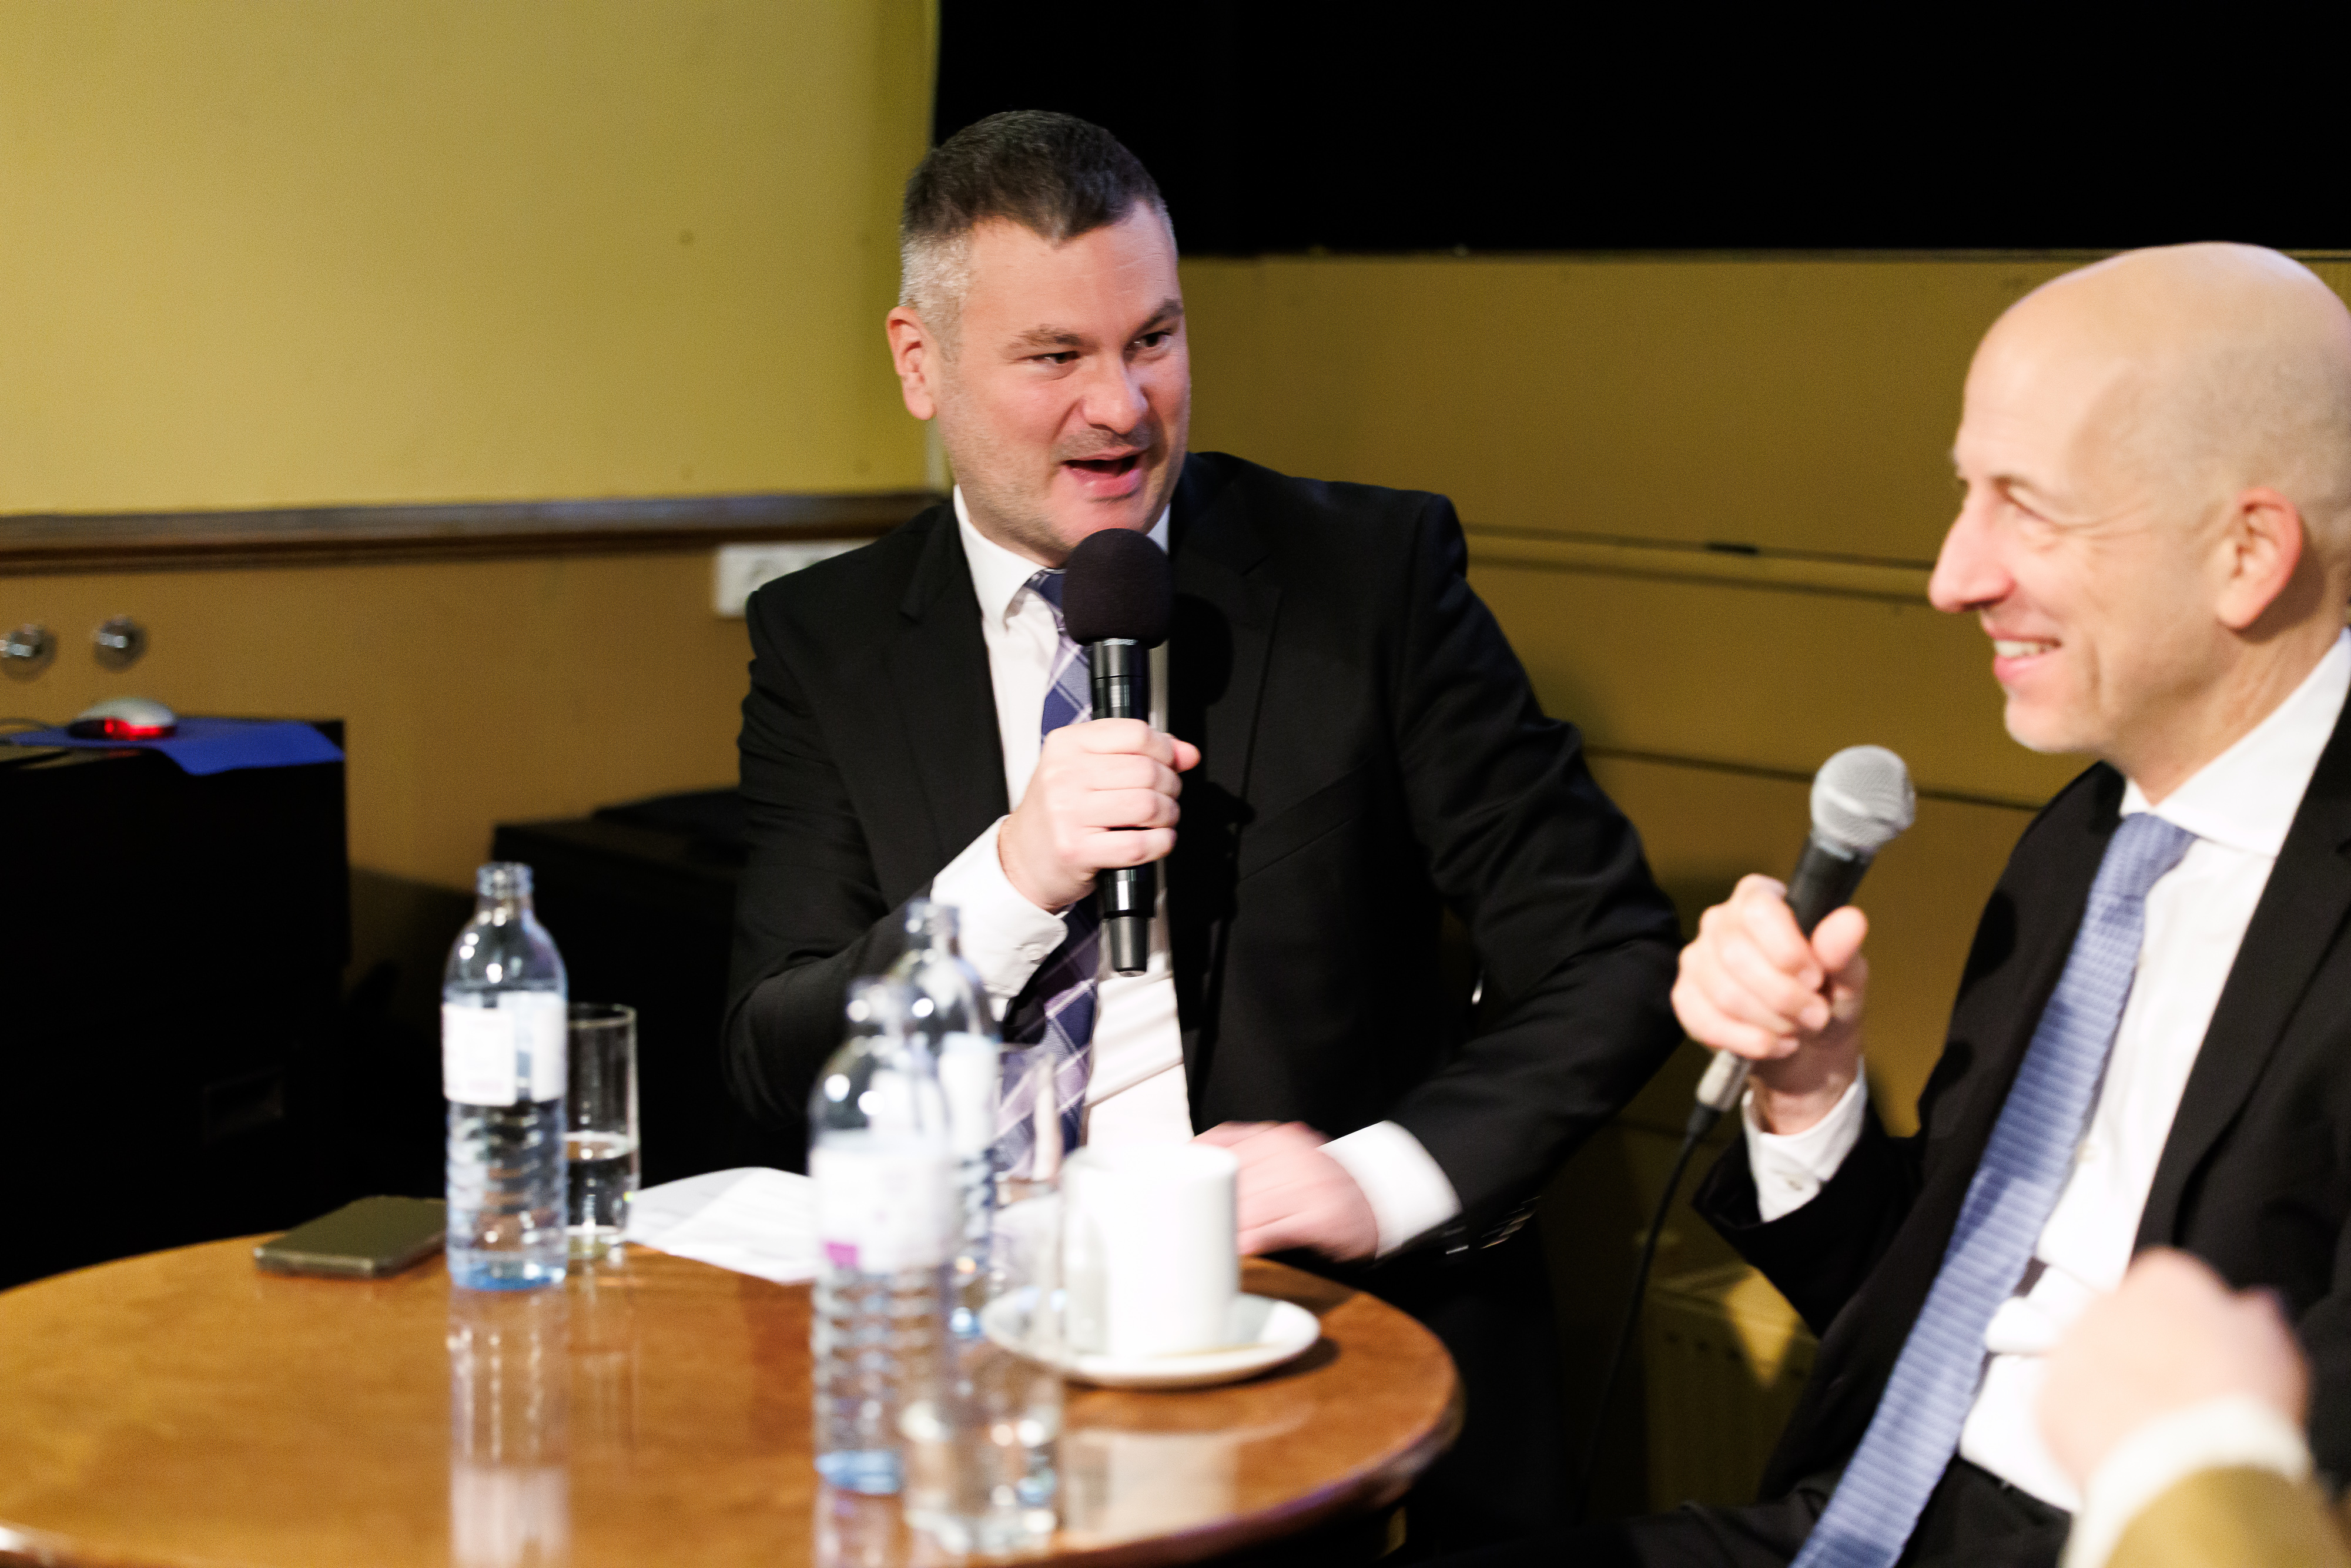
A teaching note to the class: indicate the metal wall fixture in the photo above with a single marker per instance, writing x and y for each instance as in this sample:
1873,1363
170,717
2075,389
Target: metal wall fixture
119,641
26,651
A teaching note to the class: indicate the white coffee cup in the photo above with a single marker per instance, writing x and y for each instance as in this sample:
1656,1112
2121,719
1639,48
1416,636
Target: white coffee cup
1150,1260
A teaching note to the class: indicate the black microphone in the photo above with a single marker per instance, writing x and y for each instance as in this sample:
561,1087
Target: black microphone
1862,801
1116,602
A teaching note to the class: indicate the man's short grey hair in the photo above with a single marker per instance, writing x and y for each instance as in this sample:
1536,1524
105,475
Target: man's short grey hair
1054,174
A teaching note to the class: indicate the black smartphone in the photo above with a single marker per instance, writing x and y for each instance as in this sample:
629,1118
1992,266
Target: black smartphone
364,1240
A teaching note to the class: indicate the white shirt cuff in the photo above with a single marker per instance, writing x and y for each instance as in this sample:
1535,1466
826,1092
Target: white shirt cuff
2238,1432
1407,1190
1790,1168
1004,935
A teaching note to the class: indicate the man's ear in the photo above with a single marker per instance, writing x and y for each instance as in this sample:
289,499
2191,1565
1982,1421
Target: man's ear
2263,537
916,354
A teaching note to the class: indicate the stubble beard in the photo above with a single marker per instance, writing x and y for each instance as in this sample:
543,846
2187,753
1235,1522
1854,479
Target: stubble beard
987,476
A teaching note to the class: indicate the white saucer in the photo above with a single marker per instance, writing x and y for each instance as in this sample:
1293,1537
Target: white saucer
1263,1334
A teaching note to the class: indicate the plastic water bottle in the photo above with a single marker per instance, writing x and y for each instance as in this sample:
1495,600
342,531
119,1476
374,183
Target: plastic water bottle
502,1070
947,1012
886,1223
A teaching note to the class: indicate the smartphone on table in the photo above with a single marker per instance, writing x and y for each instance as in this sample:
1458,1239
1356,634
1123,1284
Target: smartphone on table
364,1240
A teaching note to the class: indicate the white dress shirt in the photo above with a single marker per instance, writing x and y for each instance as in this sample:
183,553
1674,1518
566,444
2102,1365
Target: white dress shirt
2238,806
1137,1092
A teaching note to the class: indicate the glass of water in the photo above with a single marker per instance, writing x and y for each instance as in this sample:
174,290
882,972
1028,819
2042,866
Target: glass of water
599,1132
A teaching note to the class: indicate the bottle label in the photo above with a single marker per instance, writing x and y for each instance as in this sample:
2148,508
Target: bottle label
884,1205
969,1072
504,1055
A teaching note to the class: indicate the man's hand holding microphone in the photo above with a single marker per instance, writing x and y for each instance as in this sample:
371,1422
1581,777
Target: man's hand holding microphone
1775,978
1755,985
1103,796
1104,801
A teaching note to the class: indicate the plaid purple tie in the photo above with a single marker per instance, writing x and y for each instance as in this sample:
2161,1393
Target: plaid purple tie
1061,1033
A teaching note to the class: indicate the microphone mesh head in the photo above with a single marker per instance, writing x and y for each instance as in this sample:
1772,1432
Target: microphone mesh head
1119,586
1862,799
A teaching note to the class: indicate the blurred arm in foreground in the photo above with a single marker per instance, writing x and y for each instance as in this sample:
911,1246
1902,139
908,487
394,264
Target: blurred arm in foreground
2179,1407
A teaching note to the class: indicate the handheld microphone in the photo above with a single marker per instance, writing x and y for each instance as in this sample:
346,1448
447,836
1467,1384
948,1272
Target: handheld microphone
1862,801
1116,602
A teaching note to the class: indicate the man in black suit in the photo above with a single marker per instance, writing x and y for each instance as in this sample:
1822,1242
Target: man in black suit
2152,1039
1355,750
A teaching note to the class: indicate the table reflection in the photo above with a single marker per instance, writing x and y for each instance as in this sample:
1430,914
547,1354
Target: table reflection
1143,1470
604,1359
509,1399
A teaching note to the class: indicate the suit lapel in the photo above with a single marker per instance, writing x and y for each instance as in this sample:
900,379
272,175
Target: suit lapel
947,702
1227,602
2299,917
1225,610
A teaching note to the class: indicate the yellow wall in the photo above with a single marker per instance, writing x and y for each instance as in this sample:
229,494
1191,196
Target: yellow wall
264,253
473,694
261,252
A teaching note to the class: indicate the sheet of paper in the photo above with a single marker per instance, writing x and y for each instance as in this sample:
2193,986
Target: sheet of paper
750,1219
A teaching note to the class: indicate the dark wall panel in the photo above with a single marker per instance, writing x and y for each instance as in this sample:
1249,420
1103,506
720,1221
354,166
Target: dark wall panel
1280,127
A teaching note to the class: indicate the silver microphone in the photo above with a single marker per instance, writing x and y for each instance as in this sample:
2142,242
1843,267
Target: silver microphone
1862,801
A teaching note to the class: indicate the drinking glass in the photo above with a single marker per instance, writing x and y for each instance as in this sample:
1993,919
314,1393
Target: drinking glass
599,1133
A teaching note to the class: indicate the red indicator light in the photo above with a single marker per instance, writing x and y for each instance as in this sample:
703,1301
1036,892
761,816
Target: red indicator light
119,729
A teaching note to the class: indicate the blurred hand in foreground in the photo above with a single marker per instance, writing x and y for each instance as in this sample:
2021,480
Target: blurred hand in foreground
1291,1194
2174,1335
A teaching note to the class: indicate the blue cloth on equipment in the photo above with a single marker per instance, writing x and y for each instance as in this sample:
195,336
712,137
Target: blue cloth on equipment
216,745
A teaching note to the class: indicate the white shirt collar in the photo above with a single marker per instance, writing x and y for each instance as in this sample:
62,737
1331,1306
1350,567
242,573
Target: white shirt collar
2246,796
998,575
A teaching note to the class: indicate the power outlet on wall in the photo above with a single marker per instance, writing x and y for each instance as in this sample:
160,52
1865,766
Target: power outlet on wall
740,569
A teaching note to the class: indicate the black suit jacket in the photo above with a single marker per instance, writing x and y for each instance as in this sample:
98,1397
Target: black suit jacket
1370,753
2254,1179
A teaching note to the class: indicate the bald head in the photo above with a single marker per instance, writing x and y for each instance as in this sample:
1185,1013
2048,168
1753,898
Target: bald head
2157,533
2199,372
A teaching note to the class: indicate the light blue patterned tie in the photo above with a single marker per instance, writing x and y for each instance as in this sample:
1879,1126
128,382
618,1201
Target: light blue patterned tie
1912,1437
1063,1033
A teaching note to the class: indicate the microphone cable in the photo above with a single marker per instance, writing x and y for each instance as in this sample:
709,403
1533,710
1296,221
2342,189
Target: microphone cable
1702,1118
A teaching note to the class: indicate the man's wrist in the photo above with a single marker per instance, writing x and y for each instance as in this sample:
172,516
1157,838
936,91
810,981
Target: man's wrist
1016,872
1005,937
1405,1188
1785,1109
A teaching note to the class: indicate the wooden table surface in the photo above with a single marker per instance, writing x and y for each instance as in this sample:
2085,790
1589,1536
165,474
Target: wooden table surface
184,1410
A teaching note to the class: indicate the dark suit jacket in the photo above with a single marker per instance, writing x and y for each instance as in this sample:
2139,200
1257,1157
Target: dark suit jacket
2255,1177
1370,753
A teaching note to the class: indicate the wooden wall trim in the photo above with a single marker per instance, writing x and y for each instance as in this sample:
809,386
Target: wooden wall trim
1724,565
43,543
1796,776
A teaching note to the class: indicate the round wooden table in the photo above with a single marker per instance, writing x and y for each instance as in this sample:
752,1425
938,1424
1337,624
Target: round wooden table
184,1408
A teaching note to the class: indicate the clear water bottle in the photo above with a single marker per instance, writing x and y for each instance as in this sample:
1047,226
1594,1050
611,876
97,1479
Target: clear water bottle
502,1071
886,1224
947,1012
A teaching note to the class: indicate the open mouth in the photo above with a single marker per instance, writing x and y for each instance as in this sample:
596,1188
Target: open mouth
2019,648
1116,477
